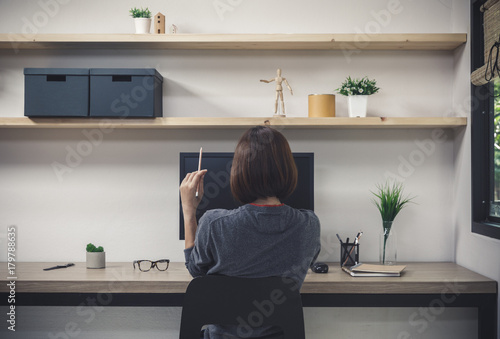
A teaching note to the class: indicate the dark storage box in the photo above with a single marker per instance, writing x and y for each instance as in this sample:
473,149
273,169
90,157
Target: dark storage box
56,92
126,92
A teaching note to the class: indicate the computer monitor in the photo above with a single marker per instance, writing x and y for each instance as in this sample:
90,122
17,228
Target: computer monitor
217,192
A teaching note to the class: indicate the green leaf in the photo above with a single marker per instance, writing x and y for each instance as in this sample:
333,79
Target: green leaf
140,13
362,86
91,248
389,200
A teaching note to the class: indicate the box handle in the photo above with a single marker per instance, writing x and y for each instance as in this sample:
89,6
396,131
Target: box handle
61,78
122,78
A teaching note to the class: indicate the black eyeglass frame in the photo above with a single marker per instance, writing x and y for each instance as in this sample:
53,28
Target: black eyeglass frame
153,264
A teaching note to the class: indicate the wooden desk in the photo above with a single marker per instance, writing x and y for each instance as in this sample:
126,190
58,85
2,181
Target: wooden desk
433,285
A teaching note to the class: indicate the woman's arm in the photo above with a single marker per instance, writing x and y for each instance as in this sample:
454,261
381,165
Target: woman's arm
190,202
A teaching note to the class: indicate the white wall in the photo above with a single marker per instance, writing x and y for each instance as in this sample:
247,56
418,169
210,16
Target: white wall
123,195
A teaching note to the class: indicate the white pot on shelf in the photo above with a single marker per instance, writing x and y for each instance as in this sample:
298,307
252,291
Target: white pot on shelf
142,25
357,105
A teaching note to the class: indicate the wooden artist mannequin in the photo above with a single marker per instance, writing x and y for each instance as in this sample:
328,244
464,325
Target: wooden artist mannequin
279,91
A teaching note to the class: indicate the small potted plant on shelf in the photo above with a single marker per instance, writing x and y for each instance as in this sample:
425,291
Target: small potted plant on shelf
142,18
389,201
96,257
357,92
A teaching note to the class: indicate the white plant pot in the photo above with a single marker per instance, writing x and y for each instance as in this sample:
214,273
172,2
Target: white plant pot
357,105
142,25
96,259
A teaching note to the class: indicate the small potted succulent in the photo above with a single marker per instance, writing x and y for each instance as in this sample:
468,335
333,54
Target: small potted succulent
142,19
96,257
357,92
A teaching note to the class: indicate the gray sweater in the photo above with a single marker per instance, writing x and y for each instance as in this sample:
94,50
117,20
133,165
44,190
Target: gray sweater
254,241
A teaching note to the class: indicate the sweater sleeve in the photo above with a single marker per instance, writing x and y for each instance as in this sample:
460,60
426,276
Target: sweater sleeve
317,228
199,258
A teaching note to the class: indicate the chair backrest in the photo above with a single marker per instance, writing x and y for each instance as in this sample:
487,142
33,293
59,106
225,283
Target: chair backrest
244,302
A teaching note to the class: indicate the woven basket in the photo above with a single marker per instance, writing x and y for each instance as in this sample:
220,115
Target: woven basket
491,10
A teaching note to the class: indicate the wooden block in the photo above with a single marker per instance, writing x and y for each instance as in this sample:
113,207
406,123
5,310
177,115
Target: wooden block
159,23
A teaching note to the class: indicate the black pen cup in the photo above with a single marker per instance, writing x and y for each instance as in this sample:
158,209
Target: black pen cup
349,254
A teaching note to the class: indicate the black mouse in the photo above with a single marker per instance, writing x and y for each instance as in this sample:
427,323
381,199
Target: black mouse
320,267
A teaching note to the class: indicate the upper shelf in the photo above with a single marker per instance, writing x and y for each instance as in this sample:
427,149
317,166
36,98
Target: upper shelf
236,122
446,41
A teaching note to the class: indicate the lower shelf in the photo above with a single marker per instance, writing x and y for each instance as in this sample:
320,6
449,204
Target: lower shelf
236,122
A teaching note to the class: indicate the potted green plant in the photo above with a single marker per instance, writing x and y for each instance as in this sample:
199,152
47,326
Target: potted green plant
357,92
142,19
389,201
96,257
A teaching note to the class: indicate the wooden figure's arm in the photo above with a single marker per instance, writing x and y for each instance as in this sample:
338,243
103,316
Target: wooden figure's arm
287,85
268,81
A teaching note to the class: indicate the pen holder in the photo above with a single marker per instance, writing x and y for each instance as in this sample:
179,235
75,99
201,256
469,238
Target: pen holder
349,254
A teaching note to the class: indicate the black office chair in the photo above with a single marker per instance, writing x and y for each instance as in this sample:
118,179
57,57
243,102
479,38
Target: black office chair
244,302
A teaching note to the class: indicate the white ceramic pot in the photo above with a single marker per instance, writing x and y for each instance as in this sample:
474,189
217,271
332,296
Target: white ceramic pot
96,259
142,25
357,105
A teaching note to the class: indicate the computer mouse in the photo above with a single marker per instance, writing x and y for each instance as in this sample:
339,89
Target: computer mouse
320,267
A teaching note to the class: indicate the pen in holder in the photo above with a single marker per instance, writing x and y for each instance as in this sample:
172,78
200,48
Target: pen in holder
349,254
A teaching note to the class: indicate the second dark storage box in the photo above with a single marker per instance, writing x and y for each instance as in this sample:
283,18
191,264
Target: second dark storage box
125,92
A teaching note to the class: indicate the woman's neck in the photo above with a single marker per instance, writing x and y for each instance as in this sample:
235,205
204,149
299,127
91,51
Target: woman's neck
267,201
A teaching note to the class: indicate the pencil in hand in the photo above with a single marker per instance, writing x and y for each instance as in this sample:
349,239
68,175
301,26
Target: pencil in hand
199,169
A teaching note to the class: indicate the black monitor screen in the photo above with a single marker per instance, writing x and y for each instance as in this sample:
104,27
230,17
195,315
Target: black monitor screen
218,191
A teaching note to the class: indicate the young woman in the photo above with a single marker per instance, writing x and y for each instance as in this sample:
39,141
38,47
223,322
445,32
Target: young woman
263,237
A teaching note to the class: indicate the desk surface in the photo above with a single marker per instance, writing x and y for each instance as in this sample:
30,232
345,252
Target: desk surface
417,278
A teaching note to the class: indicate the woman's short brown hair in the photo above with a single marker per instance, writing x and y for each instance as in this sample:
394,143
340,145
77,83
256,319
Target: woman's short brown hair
263,166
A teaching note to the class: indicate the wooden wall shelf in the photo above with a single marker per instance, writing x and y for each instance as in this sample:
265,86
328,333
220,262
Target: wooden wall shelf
236,122
445,41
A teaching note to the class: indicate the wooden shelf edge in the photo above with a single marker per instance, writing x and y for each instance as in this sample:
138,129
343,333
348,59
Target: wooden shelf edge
236,122
412,41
